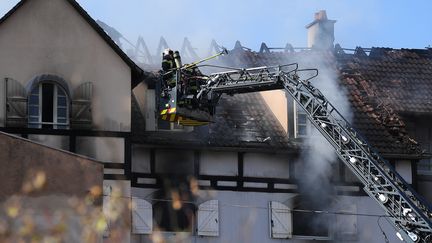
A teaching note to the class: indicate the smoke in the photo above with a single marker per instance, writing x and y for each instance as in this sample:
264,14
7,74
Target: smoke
318,158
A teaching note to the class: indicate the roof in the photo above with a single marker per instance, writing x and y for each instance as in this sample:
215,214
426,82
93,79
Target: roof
384,87
381,87
137,72
241,122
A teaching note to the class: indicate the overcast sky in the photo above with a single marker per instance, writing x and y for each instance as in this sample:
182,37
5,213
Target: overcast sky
366,23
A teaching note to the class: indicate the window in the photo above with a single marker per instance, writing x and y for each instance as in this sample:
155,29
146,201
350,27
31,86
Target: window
301,122
174,210
307,223
48,107
310,225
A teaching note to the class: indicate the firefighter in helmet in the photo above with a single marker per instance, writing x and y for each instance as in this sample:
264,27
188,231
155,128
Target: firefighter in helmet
168,65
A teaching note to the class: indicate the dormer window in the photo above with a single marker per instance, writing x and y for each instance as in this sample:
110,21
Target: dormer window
48,106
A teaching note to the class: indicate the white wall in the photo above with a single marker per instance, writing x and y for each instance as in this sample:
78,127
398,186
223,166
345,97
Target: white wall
59,142
174,161
50,37
266,165
243,217
218,163
140,159
403,167
104,149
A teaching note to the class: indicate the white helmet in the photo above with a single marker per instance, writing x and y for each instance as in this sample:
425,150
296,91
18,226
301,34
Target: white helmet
167,52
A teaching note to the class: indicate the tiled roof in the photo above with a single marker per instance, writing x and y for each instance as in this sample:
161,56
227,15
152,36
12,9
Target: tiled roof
385,85
381,87
241,121
401,78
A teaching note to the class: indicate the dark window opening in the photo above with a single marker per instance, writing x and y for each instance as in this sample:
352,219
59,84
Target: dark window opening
47,105
174,208
308,223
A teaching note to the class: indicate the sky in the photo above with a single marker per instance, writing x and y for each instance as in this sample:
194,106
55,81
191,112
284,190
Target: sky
366,23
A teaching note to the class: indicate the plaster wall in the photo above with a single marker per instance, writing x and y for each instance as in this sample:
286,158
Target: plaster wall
140,159
277,102
51,37
218,163
243,217
266,165
105,149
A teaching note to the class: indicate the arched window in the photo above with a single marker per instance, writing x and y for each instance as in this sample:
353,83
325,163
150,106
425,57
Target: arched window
48,103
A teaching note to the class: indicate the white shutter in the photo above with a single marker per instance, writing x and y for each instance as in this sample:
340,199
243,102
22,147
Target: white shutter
142,216
208,218
280,221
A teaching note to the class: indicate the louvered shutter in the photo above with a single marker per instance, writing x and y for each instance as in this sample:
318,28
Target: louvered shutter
142,216
81,116
16,104
208,218
280,221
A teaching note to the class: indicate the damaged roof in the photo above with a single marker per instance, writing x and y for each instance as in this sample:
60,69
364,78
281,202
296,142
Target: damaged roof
242,121
384,86
381,88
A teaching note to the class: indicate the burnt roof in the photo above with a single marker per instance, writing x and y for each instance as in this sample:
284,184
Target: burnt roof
137,72
241,122
382,84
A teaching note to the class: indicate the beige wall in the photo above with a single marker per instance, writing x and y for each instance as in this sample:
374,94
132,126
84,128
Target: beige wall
50,37
277,102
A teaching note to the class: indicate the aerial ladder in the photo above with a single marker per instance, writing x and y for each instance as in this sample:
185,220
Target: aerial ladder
407,212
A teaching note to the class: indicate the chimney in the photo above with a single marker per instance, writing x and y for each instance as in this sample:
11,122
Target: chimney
321,31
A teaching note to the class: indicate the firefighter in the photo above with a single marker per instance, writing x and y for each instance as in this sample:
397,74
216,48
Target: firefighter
168,64
193,80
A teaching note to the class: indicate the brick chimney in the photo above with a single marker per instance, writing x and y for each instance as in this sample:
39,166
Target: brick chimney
321,31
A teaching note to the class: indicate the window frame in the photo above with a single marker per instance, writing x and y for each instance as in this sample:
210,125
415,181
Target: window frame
299,111
55,124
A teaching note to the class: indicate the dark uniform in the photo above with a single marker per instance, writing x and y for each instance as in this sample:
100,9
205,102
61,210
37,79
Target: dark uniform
168,65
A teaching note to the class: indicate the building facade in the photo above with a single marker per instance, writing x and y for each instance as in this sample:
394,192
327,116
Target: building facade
247,177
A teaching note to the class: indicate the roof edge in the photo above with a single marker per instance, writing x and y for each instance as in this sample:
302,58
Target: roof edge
137,72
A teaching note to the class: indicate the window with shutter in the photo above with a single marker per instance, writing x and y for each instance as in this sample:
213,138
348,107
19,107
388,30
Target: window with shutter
142,216
208,218
81,117
280,221
16,104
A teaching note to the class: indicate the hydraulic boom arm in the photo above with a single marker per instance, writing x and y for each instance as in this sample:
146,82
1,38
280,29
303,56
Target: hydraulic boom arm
411,217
